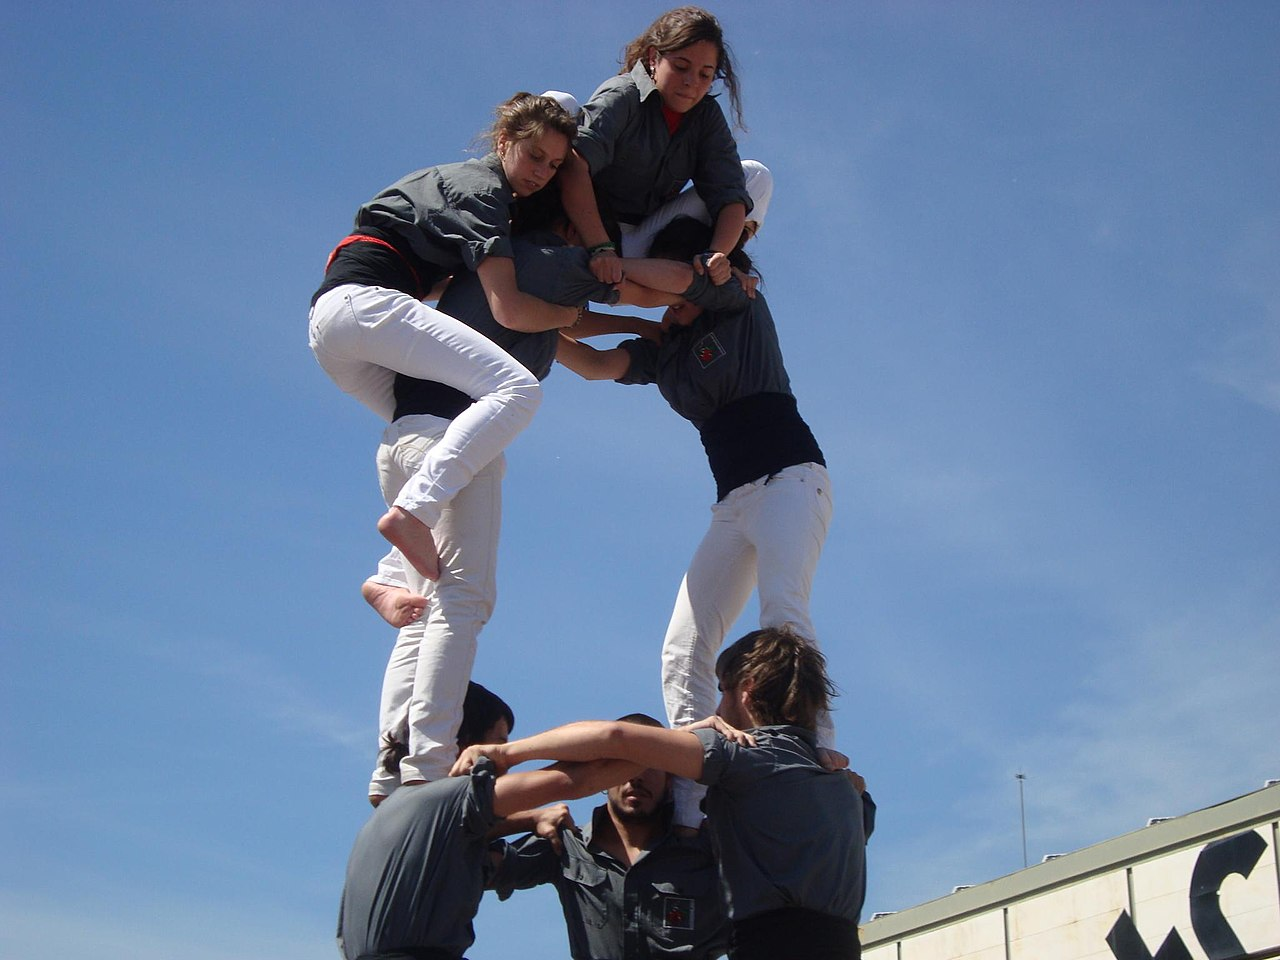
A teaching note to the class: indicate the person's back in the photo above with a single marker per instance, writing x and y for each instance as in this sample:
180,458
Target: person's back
416,872
788,832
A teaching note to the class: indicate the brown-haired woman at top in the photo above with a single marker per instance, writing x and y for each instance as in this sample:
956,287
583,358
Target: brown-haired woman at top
647,132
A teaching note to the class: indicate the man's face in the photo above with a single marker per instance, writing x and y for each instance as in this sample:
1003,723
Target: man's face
640,796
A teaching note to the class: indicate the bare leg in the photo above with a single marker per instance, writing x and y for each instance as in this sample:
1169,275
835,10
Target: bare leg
396,605
413,539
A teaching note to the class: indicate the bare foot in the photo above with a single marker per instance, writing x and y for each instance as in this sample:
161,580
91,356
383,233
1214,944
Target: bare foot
396,605
414,540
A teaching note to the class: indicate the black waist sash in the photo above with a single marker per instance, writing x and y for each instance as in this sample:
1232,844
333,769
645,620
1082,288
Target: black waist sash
378,258
414,396
794,933
755,437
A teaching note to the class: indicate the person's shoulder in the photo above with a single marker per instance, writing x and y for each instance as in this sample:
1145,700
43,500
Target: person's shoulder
618,85
792,741
710,115
473,176
792,734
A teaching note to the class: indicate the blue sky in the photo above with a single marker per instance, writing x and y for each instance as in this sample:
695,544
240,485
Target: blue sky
1025,262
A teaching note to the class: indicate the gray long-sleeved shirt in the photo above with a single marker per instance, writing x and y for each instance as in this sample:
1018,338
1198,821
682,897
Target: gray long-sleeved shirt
724,373
730,351
637,164
438,220
418,868
453,215
787,832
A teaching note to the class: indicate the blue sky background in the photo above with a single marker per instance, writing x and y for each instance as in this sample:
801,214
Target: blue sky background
1025,262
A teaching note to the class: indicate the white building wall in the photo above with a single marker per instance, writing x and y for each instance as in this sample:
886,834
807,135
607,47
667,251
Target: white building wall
1205,886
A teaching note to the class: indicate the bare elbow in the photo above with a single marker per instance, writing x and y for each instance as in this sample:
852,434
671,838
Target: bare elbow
505,315
615,739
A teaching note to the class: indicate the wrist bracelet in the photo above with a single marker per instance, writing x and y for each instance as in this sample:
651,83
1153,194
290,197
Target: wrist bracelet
607,247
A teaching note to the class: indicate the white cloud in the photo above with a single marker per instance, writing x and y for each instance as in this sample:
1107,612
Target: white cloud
1179,718
1249,364
1248,361
260,684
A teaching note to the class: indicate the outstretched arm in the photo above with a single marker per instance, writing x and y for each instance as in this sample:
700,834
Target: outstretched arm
668,276
677,751
517,792
594,324
590,363
638,295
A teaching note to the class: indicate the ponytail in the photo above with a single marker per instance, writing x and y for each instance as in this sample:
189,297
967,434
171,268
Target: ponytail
785,674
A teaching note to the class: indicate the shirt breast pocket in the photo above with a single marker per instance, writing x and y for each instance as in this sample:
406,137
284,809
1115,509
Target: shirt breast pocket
677,910
589,884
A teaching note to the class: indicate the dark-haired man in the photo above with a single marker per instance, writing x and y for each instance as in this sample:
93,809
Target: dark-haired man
629,886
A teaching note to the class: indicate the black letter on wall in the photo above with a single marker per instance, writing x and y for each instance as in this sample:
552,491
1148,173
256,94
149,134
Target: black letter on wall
1217,861
1126,943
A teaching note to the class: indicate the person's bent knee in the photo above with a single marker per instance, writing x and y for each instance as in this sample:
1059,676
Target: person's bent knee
524,392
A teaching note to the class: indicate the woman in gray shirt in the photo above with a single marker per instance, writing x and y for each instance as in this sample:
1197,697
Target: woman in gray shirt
788,832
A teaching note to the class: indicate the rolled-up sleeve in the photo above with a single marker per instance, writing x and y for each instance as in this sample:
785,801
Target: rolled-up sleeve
728,296
476,224
560,275
718,178
611,109
643,368
524,863
715,756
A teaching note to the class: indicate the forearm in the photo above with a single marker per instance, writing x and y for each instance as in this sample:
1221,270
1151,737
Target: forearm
667,276
595,324
677,751
528,314
638,295
580,741
521,821
562,781
729,223
590,363
579,199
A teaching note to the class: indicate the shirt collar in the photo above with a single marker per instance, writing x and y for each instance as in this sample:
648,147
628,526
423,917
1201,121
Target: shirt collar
643,82
662,834
494,163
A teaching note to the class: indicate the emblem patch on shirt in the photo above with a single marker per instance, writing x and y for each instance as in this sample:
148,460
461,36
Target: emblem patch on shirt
677,913
708,350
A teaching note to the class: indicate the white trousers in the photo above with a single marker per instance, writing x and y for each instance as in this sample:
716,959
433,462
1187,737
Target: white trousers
637,238
363,336
764,535
430,664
